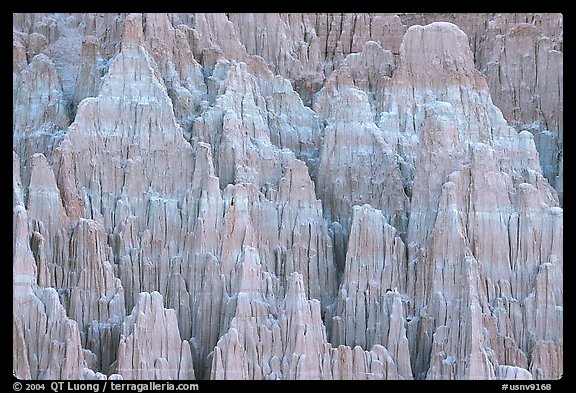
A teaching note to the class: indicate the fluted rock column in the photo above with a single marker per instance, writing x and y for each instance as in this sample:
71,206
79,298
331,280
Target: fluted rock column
292,345
47,342
369,306
150,345
357,166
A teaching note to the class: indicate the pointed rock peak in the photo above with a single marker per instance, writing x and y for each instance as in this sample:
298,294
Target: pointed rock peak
204,162
42,73
143,300
133,31
38,100
157,300
150,342
24,267
42,174
340,79
168,43
369,227
239,197
148,302
438,55
295,294
238,80
257,66
250,268
296,185
352,106
44,200
133,76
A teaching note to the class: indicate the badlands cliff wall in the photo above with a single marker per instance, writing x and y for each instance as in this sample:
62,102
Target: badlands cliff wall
287,196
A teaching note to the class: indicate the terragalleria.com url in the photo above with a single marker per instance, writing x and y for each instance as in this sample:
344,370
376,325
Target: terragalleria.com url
141,387
126,387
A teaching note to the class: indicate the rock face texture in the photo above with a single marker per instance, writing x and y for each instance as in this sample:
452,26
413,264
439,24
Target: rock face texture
287,196
150,345
521,57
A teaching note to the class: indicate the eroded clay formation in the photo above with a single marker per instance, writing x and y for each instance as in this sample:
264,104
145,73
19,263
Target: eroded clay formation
287,196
